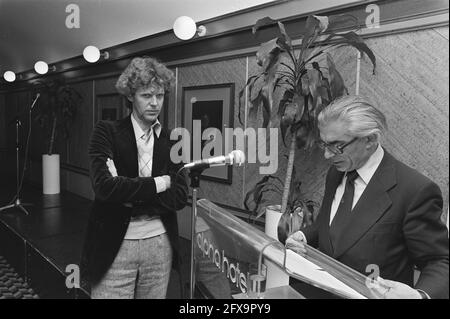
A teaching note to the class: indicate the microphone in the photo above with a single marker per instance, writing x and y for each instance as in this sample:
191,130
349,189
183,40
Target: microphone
235,157
35,100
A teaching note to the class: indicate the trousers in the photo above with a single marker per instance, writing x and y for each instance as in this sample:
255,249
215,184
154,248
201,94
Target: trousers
141,270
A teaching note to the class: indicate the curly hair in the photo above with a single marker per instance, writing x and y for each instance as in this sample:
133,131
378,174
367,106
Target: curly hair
142,72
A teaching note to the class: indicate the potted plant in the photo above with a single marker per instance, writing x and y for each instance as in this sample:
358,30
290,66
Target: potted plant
308,81
55,114
301,210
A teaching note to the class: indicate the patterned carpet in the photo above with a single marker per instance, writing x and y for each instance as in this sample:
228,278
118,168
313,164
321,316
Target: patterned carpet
12,286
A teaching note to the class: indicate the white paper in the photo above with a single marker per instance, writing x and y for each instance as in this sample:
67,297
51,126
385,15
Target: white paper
297,264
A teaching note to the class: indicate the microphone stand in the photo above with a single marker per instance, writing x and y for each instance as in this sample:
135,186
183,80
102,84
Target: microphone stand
194,174
17,203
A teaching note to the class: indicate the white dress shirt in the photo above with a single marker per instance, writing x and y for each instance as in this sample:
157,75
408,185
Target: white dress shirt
365,174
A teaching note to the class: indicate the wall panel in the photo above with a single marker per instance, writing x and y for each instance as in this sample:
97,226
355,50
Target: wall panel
82,128
411,88
2,122
3,153
228,71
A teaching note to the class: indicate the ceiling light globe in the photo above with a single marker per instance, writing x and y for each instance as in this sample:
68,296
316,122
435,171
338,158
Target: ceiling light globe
9,76
91,54
41,67
184,28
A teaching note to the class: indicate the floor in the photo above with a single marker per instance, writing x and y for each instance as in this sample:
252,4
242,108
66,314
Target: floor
12,285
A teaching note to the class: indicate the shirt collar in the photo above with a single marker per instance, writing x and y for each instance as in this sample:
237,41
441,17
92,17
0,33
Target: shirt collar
368,169
139,132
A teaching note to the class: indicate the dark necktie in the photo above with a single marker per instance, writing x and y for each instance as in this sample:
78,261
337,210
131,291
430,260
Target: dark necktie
343,213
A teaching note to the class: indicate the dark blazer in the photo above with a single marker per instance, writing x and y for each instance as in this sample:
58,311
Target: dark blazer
395,224
109,218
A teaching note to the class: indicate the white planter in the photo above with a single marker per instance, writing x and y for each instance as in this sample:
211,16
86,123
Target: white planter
50,174
273,216
276,276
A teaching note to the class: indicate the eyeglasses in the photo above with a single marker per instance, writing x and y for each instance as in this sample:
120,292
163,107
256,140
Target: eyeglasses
335,149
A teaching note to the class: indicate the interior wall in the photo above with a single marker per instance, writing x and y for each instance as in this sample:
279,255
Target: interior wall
14,107
310,167
228,71
2,122
410,86
2,134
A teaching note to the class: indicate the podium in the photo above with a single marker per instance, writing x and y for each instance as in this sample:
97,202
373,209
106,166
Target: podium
228,252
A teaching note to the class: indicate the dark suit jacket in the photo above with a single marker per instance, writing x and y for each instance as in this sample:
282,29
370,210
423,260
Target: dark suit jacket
109,218
395,225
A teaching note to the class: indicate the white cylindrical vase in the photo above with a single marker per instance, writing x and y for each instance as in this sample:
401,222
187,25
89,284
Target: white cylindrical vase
50,174
276,276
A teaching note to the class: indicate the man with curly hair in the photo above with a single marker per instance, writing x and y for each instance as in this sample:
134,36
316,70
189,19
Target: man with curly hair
132,232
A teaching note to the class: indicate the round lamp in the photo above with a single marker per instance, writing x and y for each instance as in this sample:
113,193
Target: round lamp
9,76
41,67
184,28
91,54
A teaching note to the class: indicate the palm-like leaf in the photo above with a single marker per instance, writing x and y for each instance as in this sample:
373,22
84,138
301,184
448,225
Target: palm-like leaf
57,110
306,89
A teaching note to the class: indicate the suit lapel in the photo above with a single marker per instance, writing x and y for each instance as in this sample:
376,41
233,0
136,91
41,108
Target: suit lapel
126,141
371,206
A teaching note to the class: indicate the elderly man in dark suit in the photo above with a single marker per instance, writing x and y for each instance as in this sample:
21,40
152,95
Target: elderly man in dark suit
377,211
132,233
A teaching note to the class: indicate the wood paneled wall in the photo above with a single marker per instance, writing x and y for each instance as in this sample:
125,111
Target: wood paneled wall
229,71
2,135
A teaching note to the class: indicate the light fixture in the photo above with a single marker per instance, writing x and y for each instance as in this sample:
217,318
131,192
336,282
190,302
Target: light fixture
42,68
92,54
9,76
185,28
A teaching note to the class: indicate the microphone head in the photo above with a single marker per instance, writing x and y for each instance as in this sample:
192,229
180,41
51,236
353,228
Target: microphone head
238,157
35,100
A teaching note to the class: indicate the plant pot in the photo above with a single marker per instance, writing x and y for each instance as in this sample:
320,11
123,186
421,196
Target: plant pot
273,215
276,276
50,174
